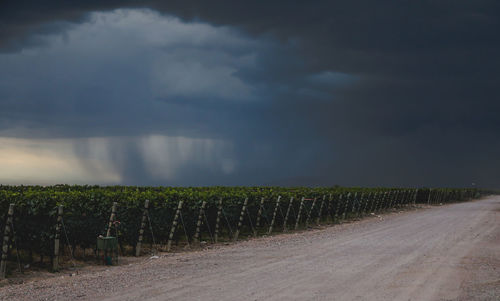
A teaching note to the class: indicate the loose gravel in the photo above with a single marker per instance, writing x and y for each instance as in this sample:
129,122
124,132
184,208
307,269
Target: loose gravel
440,253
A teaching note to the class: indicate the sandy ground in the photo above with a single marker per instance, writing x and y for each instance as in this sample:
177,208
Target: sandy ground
443,253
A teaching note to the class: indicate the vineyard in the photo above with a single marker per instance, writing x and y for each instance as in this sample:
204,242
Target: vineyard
167,219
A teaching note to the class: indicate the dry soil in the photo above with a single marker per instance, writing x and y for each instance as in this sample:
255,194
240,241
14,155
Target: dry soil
448,252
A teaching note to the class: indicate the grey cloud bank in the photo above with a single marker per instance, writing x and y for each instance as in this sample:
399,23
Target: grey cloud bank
292,93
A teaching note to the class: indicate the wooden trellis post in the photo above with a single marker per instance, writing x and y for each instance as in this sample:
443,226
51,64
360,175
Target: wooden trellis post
240,222
310,213
380,200
347,198
397,199
372,199
274,215
287,214
386,200
366,210
6,240
377,201
320,210
111,218
385,196
390,200
337,210
354,201
415,198
393,199
141,230
329,209
370,203
361,204
393,202
217,221
300,212
259,215
365,197
174,225
55,262
200,221
380,197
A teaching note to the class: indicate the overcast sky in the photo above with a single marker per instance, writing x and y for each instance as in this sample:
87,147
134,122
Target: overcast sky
191,93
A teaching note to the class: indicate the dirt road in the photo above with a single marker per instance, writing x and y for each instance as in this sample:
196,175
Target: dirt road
442,253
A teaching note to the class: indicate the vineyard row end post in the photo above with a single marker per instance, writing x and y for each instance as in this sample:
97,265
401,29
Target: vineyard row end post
6,240
55,263
111,218
141,230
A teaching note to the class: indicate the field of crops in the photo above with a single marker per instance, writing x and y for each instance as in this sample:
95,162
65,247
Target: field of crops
183,216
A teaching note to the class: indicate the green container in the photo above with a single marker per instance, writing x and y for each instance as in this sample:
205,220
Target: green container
108,260
107,243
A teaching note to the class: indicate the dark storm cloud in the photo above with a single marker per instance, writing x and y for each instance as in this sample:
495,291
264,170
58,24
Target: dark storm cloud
344,92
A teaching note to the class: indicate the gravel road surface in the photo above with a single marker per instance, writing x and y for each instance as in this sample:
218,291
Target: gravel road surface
449,252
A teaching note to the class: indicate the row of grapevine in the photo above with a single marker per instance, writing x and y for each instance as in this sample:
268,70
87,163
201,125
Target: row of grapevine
208,214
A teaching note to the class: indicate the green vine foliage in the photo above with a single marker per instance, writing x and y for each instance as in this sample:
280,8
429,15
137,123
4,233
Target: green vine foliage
87,210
